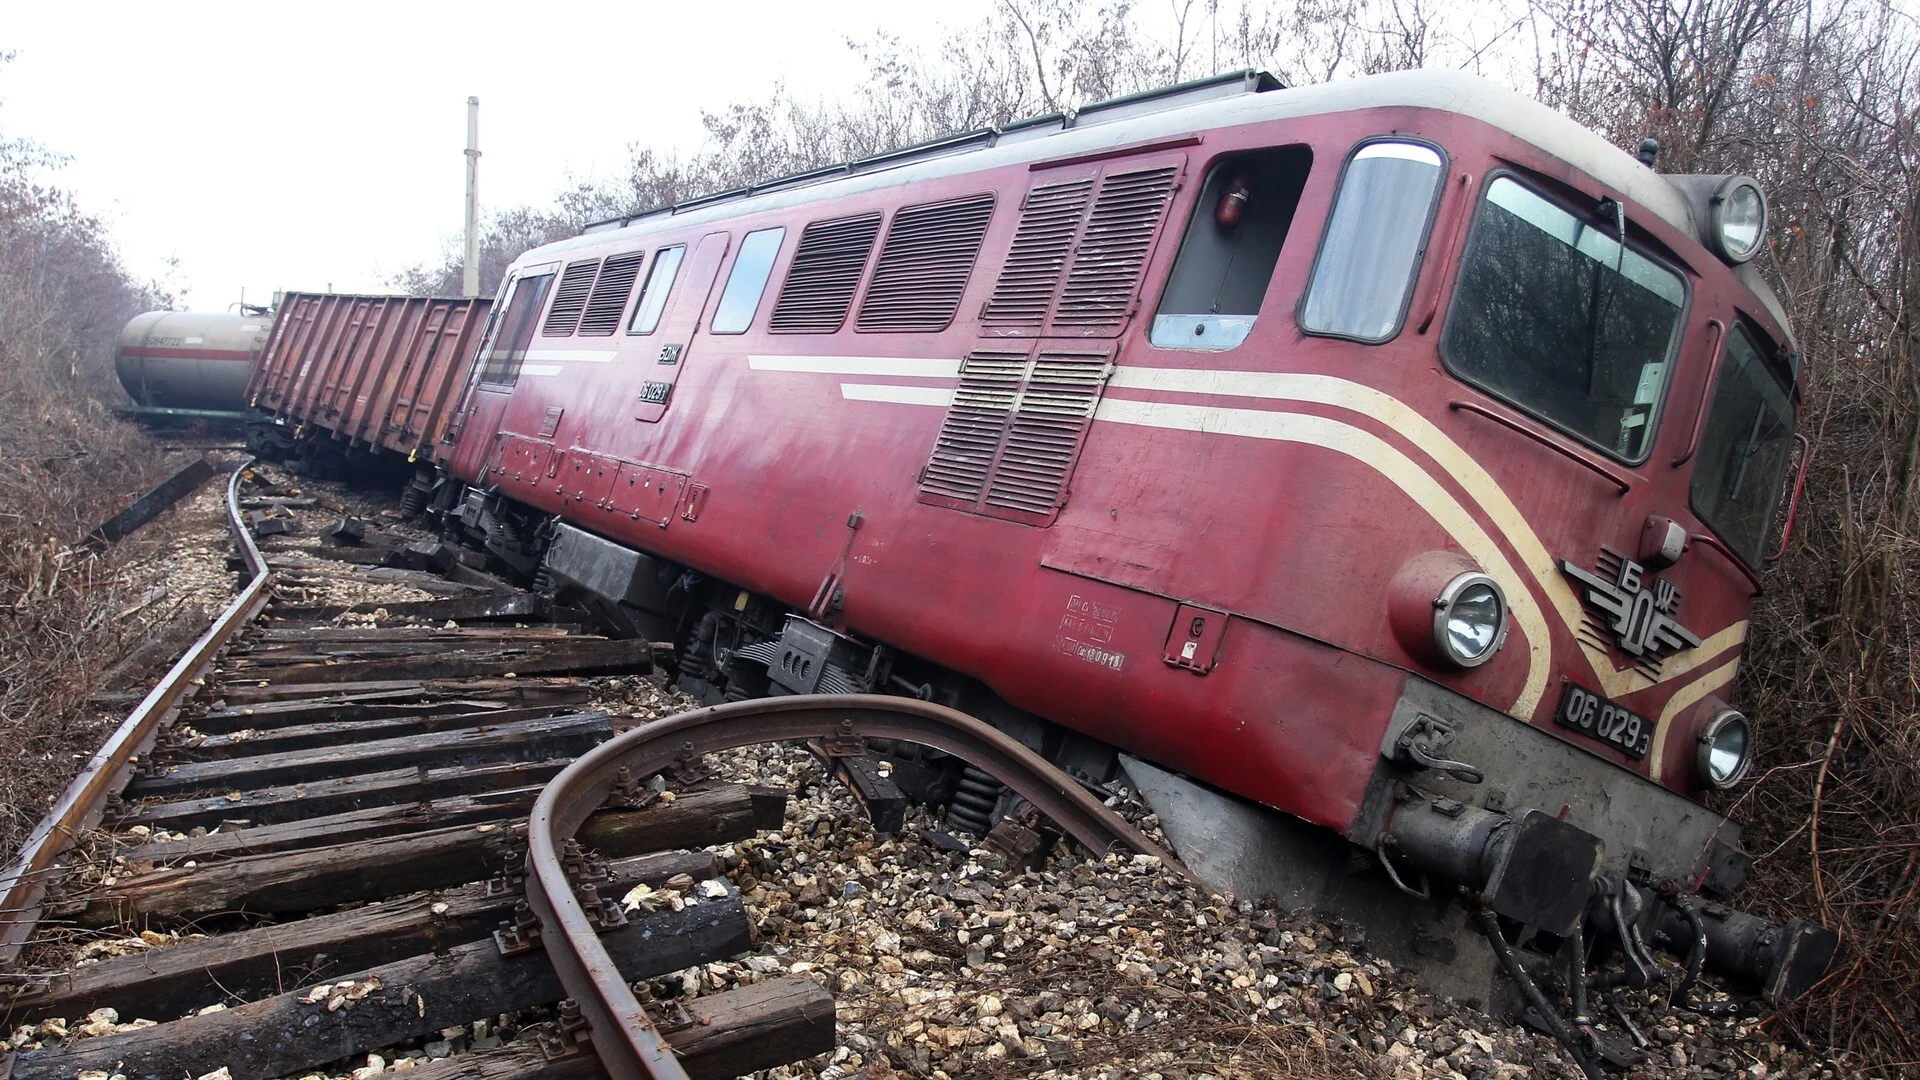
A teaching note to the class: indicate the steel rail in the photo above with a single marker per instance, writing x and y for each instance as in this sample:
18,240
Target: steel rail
628,1045
23,887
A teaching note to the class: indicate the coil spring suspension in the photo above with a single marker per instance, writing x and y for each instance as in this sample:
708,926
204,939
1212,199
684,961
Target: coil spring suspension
414,499
972,807
502,532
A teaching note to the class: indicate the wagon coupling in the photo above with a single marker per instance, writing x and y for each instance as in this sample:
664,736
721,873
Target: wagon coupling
1544,874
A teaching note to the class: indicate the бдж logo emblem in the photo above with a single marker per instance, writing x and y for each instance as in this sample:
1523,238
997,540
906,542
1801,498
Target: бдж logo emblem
1641,612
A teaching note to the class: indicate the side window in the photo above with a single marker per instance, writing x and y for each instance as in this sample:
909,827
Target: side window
1232,243
747,281
514,333
1744,451
1363,278
653,295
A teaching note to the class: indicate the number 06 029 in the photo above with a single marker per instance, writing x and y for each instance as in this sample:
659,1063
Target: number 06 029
1595,717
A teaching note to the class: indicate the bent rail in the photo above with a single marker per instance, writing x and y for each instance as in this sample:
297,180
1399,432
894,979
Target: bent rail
628,1045
24,885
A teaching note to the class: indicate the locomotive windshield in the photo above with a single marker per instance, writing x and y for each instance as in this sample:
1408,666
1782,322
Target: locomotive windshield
1552,314
513,332
1744,450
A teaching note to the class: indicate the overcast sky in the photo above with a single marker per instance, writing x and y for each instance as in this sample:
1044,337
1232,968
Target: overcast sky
270,146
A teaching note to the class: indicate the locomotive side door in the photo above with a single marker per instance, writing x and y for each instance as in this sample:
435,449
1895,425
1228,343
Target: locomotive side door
687,302
1069,287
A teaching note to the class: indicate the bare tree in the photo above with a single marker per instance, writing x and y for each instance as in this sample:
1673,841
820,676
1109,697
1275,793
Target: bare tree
64,297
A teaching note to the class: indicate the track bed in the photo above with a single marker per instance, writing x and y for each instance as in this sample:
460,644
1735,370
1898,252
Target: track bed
322,854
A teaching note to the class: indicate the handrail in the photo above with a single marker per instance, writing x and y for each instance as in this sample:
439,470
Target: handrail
1793,502
1457,214
1731,556
1714,355
24,885
628,1045
1515,425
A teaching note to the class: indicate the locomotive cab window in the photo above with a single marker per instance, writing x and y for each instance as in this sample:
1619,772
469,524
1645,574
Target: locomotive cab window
748,281
514,332
653,295
1745,448
1552,314
1232,242
1363,279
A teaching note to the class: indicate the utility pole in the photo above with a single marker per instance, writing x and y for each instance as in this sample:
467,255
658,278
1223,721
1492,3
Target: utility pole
470,277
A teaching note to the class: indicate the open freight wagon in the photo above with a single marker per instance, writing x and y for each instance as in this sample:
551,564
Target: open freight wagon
378,373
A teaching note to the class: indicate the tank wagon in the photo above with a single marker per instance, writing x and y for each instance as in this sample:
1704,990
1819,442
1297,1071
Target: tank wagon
188,364
1394,454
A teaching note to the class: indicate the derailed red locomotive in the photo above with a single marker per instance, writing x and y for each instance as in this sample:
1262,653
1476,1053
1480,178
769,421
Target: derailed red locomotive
1396,454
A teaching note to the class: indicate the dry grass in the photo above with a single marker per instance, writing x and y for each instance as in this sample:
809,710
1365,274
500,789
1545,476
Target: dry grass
1835,812
64,464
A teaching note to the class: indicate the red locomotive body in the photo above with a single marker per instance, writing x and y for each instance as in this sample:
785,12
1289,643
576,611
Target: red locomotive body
1325,445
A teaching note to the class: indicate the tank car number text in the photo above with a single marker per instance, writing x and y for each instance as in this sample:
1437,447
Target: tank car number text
1590,714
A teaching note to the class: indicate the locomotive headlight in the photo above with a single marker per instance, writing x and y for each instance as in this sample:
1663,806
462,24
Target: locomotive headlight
1470,620
1726,745
1739,219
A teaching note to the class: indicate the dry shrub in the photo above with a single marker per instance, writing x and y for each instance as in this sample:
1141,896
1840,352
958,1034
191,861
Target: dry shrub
1835,812
58,604
65,464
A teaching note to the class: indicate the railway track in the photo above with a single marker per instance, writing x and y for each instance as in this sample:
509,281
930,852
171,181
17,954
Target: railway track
333,837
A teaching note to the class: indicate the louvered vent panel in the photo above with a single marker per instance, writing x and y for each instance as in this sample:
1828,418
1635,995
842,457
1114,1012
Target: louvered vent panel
975,424
1049,219
1044,437
924,265
826,270
1113,250
610,294
570,299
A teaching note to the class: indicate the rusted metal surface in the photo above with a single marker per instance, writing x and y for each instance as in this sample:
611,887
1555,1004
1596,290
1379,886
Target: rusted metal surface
628,1044
382,371
23,887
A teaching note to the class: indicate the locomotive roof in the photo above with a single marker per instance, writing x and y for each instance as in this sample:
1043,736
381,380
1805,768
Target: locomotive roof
1239,98
1236,98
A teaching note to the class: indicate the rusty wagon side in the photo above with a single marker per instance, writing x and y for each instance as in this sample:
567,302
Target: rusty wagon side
380,373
